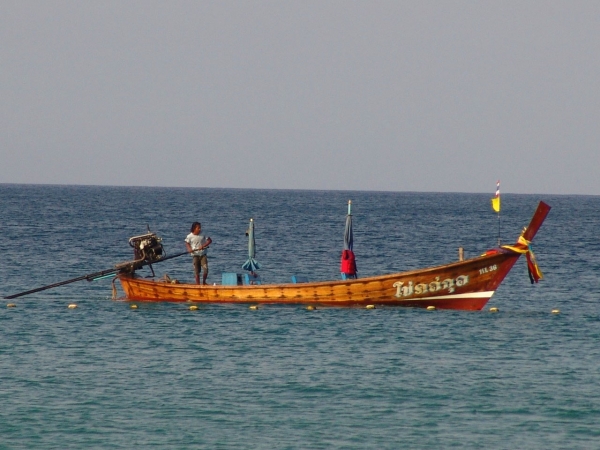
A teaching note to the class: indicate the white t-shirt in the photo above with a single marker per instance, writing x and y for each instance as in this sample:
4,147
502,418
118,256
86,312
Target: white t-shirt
196,242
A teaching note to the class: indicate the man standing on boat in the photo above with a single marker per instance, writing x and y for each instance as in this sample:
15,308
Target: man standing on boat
197,244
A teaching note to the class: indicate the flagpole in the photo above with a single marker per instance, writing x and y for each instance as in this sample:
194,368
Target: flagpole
496,207
498,228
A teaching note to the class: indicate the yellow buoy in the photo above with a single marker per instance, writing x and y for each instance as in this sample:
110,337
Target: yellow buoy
431,308
253,307
72,306
11,305
370,307
494,309
556,311
310,308
193,308
133,306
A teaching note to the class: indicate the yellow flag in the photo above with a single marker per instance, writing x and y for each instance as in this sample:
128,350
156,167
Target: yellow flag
496,200
496,204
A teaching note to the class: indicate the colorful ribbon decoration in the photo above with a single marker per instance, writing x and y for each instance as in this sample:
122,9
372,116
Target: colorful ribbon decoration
524,247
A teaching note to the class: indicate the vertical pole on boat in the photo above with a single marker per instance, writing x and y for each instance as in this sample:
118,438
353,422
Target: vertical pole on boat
496,207
498,228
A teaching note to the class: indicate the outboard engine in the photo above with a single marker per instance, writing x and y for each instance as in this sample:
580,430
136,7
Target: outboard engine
147,247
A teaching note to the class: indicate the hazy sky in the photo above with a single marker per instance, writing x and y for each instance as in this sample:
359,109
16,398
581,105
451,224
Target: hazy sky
362,95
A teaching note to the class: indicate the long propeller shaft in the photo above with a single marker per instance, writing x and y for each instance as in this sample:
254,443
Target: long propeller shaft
132,265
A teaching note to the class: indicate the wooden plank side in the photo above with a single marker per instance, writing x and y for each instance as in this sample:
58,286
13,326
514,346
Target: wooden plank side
475,275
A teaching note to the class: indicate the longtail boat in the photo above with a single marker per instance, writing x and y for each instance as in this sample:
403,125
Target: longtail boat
463,285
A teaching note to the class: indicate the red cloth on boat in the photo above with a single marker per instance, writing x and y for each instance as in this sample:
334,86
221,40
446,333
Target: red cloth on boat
348,265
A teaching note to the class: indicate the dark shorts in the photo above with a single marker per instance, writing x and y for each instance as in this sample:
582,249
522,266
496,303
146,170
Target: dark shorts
200,262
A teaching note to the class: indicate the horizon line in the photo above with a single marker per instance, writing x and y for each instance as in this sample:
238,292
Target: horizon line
285,189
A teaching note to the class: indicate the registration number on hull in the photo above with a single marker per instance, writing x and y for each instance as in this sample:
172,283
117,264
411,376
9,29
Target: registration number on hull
488,269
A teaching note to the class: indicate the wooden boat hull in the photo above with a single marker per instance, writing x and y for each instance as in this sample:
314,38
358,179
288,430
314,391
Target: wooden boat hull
464,285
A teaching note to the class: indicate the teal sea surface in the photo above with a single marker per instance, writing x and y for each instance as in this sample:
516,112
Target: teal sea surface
281,377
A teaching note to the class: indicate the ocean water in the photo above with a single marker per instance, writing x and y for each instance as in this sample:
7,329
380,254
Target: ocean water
106,376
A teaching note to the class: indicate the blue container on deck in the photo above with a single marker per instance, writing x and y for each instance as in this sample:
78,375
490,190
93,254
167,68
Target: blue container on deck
231,279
